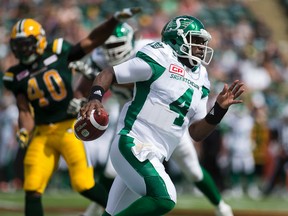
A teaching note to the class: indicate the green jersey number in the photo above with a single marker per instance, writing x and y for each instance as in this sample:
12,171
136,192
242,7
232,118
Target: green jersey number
181,106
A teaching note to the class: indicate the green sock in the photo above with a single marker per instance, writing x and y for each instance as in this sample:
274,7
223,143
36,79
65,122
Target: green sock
250,178
235,177
33,205
147,205
209,188
97,194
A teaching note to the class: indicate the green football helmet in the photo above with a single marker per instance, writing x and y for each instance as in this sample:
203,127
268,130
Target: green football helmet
119,47
183,33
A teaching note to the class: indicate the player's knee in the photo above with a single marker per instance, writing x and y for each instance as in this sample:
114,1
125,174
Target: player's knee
82,183
194,174
34,183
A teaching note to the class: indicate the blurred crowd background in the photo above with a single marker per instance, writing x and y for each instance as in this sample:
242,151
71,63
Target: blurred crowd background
248,153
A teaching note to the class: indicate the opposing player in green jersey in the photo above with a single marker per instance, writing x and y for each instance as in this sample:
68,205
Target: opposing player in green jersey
42,85
171,86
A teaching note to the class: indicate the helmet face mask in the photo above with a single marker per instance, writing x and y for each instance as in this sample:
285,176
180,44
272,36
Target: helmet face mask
27,41
119,47
24,49
189,39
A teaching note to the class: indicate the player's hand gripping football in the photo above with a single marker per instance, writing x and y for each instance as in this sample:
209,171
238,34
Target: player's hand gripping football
75,105
126,13
89,106
229,95
22,137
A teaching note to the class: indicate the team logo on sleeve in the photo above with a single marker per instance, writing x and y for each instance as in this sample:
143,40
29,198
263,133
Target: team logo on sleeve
177,70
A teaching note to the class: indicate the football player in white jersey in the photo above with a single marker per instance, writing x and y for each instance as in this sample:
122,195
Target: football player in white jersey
120,47
171,89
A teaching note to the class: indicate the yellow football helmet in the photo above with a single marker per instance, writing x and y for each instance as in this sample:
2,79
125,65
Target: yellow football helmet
28,40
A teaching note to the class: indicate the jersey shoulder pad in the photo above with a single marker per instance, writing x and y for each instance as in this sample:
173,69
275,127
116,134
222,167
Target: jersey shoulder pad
60,46
13,76
157,51
139,44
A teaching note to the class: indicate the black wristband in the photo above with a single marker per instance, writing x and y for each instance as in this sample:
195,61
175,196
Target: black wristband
97,93
215,115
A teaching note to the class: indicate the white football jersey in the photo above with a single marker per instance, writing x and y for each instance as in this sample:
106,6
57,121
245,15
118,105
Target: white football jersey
168,96
100,62
99,59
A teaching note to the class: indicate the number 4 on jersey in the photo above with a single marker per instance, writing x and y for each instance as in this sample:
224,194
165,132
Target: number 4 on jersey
181,106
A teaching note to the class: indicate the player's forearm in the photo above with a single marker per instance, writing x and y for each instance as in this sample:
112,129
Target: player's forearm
26,121
200,130
99,35
105,78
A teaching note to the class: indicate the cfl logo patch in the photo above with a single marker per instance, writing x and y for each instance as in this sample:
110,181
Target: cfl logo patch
176,69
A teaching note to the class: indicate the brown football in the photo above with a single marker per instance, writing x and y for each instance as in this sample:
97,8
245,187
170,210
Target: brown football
92,128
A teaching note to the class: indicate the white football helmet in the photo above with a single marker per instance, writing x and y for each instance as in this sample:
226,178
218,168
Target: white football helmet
119,46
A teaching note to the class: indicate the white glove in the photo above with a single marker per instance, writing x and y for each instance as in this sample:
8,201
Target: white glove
75,105
126,13
83,68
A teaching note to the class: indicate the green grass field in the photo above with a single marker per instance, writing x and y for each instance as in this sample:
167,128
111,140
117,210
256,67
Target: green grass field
68,203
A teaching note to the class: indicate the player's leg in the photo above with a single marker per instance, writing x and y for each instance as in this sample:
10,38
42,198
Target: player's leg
122,197
39,163
237,168
148,179
108,175
63,174
80,168
106,179
249,170
186,157
277,170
